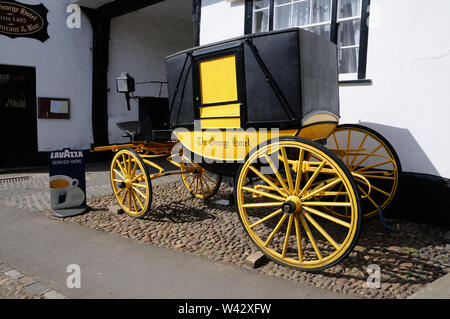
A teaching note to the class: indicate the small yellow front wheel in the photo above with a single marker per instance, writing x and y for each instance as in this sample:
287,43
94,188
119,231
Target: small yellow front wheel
131,183
198,181
292,218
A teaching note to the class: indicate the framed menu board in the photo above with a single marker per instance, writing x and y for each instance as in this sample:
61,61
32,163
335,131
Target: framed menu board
54,108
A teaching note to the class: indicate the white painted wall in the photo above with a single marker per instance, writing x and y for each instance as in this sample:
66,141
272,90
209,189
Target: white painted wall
221,20
63,70
409,64
409,101
139,42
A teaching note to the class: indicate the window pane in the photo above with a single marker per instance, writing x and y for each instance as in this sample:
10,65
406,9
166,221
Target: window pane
301,14
348,60
322,30
321,11
349,8
12,90
282,17
350,33
261,21
260,4
277,2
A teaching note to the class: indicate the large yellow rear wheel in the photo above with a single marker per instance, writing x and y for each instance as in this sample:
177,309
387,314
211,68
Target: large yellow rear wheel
285,203
371,159
131,183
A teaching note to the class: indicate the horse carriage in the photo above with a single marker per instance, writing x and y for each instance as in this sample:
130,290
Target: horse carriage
263,109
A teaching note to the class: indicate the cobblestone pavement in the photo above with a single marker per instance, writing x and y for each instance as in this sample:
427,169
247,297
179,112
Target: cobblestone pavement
14,285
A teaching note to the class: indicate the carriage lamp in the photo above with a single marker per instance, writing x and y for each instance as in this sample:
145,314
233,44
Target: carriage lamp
125,84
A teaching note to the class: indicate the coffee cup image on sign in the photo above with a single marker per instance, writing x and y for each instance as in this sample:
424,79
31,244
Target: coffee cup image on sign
64,192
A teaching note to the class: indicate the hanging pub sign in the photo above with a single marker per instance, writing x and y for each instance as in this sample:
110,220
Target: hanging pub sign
23,20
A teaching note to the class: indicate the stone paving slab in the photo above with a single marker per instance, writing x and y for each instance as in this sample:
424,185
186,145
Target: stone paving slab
14,285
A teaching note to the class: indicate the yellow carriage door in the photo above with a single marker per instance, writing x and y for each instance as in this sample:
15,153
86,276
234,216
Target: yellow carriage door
220,107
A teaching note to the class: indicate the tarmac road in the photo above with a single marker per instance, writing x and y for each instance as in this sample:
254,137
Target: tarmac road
115,267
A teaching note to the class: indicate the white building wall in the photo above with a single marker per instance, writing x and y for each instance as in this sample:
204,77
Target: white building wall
409,64
409,101
63,70
221,20
139,42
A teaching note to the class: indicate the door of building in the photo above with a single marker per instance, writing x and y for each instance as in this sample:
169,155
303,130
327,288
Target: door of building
18,116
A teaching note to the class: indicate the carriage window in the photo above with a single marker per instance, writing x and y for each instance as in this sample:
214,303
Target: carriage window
316,16
13,91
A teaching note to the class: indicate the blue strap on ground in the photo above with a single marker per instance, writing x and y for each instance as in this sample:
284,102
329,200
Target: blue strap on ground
385,224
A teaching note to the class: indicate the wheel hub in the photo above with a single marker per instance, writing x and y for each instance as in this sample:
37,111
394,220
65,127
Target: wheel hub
292,205
126,184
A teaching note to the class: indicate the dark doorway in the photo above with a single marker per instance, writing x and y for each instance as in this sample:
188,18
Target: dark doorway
18,136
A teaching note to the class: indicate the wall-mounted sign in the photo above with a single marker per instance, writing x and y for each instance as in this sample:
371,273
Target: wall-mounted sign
53,108
23,20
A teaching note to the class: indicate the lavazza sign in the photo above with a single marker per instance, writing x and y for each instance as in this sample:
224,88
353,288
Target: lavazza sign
22,20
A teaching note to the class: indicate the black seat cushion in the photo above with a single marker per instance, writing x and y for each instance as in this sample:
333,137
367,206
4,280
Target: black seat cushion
131,128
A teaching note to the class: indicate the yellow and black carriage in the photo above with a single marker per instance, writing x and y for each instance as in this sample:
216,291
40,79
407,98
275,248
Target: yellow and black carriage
263,109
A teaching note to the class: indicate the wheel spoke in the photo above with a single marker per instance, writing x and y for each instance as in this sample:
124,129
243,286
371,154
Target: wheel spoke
335,204
323,188
299,241
276,229
122,201
277,174
119,191
311,237
140,185
313,177
133,171
139,201
212,181
380,177
129,201
360,147
298,178
129,166
268,181
124,175
321,230
380,191
372,166
137,177
288,234
191,183
201,184
259,205
337,145
367,157
288,170
134,201
206,184
327,216
368,197
263,220
266,194
139,192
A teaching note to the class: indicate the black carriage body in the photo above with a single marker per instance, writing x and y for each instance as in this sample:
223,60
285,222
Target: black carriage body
283,78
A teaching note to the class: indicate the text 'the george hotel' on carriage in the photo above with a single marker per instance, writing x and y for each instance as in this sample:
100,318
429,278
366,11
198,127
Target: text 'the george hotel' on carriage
364,81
